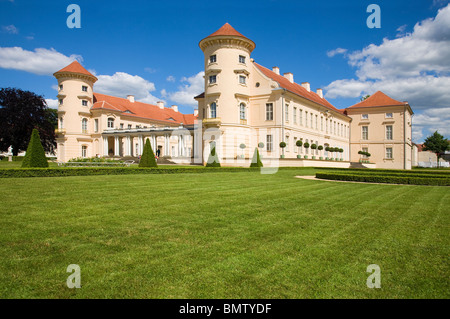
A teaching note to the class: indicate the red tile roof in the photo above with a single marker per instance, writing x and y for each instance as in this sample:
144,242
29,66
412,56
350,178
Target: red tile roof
378,99
226,29
141,110
75,67
296,88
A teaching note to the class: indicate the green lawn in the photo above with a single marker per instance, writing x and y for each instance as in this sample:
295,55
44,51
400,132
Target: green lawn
221,235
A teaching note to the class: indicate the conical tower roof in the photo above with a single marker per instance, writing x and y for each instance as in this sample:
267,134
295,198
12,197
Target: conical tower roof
76,68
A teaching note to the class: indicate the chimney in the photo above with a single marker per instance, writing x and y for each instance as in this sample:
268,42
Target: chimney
276,70
130,98
195,112
175,108
160,104
289,76
306,86
320,93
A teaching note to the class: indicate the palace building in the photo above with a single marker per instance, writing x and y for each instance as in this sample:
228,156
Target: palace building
244,105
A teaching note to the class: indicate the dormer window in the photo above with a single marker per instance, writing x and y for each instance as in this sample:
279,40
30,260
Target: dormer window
84,88
110,122
242,59
212,59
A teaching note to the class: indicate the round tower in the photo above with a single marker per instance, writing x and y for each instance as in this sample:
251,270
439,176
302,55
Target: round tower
227,75
75,99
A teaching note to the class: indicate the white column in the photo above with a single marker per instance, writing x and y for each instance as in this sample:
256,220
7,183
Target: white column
105,146
166,145
141,144
154,146
128,146
116,146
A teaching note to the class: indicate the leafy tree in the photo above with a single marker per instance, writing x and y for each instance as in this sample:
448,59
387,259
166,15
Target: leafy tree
256,160
148,157
20,113
35,155
437,144
213,159
365,97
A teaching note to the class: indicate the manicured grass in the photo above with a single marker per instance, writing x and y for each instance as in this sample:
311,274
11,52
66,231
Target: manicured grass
221,235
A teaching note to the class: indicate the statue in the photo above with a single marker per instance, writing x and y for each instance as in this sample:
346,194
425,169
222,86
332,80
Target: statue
10,149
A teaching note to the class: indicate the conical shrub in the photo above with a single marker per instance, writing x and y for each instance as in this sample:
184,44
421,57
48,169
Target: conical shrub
35,155
256,160
148,157
213,159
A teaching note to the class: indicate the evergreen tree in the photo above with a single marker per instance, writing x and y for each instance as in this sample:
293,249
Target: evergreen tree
35,155
148,157
256,160
213,159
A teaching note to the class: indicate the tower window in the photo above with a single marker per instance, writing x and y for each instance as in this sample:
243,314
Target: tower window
84,88
212,79
60,101
84,103
60,87
242,114
213,110
242,79
242,59
212,59
96,125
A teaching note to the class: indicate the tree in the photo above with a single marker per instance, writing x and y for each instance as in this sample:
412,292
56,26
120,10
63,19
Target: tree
148,157
256,160
437,144
35,155
213,159
365,97
20,113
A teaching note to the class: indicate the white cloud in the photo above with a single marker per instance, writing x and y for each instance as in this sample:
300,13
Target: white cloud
186,93
170,78
40,61
122,84
149,70
334,52
11,29
52,103
413,67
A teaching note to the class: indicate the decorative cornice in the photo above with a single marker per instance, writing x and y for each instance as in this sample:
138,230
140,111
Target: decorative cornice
234,42
85,77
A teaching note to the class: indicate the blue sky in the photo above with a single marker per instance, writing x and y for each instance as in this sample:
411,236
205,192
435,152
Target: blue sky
150,48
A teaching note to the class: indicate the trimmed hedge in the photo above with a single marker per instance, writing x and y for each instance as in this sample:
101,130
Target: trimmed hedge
35,155
389,179
14,158
385,170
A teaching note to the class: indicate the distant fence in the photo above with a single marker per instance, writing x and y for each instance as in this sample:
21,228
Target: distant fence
433,164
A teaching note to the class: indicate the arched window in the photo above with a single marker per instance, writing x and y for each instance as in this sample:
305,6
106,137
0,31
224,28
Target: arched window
242,111
84,124
110,122
213,110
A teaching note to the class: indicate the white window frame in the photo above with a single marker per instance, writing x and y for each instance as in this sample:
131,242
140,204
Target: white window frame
213,110
242,59
389,133
389,155
364,133
242,79
242,111
364,116
269,111
110,122
212,79
269,143
84,88
213,58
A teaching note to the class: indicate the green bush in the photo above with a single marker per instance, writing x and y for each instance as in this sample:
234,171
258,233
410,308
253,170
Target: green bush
213,159
14,158
35,155
93,160
282,144
256,160
148,157
383,178
299,143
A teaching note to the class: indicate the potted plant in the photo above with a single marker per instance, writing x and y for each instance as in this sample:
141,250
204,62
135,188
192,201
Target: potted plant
341,150
260,144
306,145
320,148
282,145
327,149
313,149
242,147
299,143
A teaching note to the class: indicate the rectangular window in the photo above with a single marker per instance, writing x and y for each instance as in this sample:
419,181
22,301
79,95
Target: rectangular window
269,112
84,88
389,115
287,143
365,132
84,151
311,120
96,125
242,79
242,59
334,128
317,126
61,87
365,116
326,125
306,118
212,79
321,124
121,125
212,59
129,126
294,115
286,113
389,153
301,118
60,101
269,143
84,102
389,132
